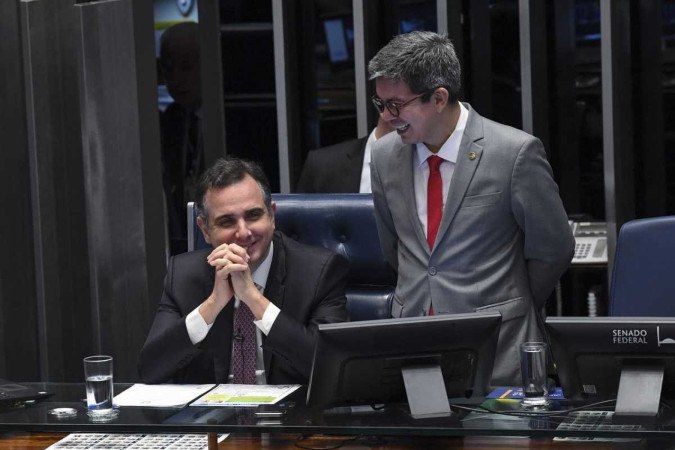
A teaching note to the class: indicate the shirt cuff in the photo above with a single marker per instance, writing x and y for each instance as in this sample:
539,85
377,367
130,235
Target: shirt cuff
197,327
268,318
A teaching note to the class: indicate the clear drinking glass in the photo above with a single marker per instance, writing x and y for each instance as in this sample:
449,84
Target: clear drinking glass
98,375
533,372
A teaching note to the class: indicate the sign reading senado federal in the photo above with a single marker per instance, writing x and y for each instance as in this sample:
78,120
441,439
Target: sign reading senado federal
629,336
638,336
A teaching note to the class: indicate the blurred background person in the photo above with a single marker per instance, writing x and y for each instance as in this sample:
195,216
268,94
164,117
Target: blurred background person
342,167
181,129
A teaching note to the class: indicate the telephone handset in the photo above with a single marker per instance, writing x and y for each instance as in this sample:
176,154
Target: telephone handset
591,242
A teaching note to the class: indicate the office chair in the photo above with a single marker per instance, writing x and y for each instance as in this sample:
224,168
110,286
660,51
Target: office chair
343,223
643,280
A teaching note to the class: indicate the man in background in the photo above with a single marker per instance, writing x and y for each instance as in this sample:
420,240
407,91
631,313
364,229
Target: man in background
467,210
247,310
343,167
181,127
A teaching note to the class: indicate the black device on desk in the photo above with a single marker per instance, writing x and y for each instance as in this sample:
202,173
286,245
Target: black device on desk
423,359
631,359
12,393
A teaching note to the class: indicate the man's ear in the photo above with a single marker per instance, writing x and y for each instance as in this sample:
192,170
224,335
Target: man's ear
440,97
204,229
274,211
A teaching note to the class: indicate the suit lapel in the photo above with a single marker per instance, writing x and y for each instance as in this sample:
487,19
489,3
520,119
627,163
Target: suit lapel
220,338
468,158
275,287
356,151
403,165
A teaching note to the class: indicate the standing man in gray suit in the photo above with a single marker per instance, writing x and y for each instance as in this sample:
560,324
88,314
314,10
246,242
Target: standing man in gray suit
467,210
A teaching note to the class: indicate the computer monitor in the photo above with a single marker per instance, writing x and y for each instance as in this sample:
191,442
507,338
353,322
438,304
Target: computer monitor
339,32
587,22
413,15
630,359
668,16
423,359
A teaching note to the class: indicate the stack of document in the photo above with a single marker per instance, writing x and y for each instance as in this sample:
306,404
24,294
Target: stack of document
180,395
245,395
161,395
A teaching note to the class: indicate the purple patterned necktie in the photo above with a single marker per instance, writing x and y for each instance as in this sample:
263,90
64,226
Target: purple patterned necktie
243,348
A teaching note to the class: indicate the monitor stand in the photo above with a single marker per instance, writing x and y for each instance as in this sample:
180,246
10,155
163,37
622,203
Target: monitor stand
426,392
639,393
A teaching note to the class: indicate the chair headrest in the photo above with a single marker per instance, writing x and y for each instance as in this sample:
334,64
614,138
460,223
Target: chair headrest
343,223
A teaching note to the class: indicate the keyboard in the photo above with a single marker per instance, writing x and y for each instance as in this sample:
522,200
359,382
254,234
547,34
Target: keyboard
87,441
593,421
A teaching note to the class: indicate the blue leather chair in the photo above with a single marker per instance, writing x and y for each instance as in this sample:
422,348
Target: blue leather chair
643,279
343,223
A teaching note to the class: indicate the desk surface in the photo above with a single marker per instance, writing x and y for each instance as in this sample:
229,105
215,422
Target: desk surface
393,421
40,441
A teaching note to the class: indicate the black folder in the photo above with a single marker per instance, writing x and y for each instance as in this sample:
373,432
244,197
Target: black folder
12,393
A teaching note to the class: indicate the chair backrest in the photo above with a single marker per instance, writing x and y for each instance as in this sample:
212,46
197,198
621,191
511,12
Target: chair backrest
643,279
195,238
343,223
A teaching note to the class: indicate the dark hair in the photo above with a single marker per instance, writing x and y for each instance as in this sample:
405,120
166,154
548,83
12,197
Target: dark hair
423,60
226,172
183,34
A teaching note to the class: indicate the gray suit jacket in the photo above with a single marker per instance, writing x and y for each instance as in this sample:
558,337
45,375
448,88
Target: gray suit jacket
503,242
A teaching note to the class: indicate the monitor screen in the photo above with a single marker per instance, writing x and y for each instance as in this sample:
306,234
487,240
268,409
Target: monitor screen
622,358
587,22
668,15
365,363
339,32
336,40
415,15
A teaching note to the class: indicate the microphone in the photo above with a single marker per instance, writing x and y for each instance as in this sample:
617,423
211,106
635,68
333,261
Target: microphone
238,336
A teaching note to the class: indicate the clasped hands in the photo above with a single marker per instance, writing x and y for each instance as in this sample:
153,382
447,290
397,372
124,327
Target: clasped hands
233,277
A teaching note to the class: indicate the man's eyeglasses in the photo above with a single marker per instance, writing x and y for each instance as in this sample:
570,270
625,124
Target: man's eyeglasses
394,108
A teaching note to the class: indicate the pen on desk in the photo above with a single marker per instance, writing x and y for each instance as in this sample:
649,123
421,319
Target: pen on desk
506,393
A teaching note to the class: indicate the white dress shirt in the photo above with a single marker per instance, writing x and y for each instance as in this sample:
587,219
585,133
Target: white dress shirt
448,152
364,187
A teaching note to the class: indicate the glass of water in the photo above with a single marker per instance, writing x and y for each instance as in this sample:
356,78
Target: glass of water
98,375
534,376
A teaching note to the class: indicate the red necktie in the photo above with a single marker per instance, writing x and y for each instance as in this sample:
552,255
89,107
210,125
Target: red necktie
243,347
434,198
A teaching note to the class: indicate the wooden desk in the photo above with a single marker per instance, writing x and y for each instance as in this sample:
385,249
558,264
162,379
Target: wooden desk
40,441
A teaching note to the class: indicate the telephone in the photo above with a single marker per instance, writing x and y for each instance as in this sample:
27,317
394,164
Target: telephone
591,242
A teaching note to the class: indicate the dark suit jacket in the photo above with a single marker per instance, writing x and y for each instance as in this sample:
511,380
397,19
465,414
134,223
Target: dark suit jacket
333,169
175,132
306,283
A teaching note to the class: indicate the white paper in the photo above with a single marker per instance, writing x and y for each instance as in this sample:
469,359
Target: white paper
161,395
245,394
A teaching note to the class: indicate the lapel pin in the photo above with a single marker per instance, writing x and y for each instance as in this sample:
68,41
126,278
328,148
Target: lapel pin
472,156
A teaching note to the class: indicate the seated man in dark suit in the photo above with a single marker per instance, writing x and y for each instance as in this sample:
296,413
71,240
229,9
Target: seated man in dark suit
343,167
254,300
